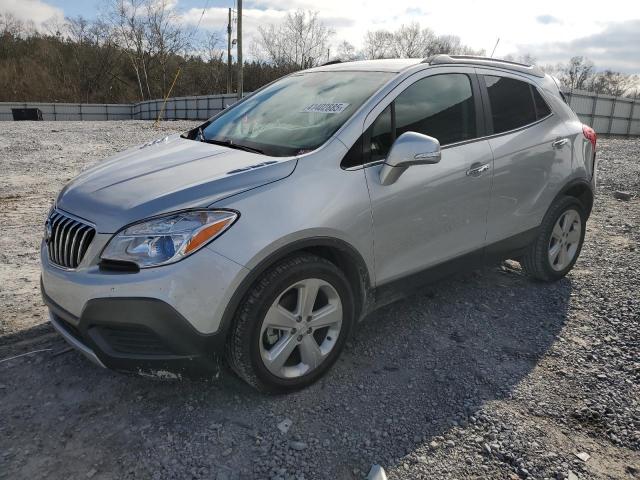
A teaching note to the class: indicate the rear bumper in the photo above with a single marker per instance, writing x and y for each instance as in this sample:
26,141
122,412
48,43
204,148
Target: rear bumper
136,335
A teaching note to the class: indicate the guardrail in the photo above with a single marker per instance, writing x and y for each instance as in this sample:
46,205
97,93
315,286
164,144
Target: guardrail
605,113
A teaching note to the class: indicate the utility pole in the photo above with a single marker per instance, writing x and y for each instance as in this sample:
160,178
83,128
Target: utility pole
240,65
229,85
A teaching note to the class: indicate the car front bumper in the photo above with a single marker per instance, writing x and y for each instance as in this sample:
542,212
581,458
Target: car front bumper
136,335
166,318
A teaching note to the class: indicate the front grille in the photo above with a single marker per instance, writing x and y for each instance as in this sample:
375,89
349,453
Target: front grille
67,239
136,340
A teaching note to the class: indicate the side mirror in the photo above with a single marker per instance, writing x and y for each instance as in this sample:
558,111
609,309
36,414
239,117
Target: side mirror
409,149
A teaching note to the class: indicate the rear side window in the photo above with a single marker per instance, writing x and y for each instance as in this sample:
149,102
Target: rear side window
511,103
542,109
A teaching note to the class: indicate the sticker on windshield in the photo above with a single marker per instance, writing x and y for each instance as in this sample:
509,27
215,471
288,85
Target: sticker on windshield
325,108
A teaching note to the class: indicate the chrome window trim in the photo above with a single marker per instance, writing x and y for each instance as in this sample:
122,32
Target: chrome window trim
464,142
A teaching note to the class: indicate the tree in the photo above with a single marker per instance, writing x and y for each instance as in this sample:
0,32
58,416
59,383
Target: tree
411,41
576,74
526,59
612,83
129,26
377,44
301,41
347,52
164,36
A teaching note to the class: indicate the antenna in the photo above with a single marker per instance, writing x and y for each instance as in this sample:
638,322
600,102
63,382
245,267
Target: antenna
495,46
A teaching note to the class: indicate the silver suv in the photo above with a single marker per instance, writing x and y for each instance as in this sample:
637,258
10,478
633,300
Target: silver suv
266,233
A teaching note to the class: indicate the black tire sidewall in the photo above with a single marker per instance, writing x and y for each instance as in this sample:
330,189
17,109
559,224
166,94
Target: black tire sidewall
323,271
568,203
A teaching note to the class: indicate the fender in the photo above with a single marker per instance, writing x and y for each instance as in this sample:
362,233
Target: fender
307,244
582,189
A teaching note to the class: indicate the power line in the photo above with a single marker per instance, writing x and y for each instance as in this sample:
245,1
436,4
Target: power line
206,5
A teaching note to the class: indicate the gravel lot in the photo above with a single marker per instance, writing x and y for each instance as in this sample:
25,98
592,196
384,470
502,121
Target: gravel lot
485,375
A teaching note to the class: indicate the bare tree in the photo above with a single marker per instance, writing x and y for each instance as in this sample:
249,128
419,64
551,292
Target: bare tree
128,21
526,59
576,74
613,83
10,25
377,44
411,41
92,72
347,52
164,35
301,40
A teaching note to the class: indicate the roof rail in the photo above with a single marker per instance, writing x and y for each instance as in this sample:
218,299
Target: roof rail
332,62
444,59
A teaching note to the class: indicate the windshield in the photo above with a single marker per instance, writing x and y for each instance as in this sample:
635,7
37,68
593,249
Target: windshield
294,115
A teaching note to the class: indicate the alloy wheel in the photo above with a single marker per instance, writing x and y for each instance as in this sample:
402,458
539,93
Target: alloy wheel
301,328
565,240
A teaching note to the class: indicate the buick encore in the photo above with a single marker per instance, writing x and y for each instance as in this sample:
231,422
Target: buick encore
263,235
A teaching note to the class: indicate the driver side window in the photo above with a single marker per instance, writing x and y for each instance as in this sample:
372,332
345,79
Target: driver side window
441,106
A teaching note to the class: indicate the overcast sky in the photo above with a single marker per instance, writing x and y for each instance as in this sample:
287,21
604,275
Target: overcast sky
551,30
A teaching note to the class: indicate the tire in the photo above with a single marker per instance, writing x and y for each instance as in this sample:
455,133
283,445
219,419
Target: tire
278,297
541,262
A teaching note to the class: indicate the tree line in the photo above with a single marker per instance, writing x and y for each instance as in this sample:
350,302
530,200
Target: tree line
135,48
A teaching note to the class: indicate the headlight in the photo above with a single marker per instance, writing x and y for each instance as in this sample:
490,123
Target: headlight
167,239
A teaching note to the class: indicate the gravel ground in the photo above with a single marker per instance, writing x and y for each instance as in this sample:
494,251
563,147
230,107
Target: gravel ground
485,375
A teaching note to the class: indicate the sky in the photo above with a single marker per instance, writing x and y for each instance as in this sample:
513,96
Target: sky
551,30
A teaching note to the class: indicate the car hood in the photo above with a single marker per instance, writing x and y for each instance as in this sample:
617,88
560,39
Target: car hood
163,176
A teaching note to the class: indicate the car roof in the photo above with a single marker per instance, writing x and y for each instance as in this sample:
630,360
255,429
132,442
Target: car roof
394,65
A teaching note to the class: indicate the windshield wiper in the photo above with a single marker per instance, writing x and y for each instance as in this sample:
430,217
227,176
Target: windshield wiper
230,144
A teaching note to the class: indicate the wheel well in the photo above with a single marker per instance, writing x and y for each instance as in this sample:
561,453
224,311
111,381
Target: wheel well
339,253
353,268
583,193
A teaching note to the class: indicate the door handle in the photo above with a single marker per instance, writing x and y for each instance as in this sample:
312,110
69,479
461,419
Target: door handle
560,143
477,169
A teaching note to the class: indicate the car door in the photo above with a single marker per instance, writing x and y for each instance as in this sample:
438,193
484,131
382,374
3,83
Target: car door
532,157
432,213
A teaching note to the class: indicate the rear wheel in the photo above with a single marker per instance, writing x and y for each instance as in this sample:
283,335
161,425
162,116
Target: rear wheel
292,325
554,253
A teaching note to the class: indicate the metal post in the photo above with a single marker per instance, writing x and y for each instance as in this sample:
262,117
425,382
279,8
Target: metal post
633,106
613,109
593,111
106,110
80,106
240,65
55,116
229,86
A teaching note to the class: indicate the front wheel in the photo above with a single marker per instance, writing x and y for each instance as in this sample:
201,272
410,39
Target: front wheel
555,251
292,324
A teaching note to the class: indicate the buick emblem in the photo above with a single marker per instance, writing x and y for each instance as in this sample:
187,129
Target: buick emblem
47,231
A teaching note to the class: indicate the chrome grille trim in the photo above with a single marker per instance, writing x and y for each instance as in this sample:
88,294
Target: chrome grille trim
69,239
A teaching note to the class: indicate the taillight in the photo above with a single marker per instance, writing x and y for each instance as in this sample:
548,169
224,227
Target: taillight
590,134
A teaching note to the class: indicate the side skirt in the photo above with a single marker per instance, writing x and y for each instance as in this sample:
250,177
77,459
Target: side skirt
510,248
